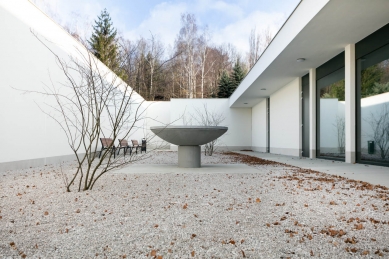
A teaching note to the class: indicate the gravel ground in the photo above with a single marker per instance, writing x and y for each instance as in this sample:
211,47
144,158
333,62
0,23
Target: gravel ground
279,212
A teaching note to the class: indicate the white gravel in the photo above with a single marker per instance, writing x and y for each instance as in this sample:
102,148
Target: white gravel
278,212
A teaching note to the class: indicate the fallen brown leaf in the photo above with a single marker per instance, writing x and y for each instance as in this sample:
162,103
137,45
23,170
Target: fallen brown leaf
354,250
358,226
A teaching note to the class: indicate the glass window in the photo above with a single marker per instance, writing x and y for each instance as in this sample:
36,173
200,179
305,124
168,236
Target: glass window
331,116
373,111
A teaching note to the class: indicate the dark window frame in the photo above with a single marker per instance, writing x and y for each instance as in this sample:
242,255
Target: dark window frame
373,43
331,66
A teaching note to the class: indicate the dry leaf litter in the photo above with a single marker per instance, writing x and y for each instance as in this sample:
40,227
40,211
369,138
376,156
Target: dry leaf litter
280,211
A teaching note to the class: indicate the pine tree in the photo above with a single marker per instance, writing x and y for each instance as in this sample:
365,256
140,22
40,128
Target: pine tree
237,75
103,43
224,86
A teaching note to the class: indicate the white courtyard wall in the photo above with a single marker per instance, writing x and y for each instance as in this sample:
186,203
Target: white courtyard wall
28,136
372,108
333,110
259,127
332,116
238,120
285,117
157,114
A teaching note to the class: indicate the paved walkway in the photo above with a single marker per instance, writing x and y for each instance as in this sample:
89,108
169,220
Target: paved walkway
368,173
173,168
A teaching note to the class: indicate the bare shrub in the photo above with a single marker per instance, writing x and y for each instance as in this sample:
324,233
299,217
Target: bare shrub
380,125
92,103
205,117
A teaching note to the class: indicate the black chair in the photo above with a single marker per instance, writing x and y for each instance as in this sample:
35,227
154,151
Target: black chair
107,143
135,145
123,144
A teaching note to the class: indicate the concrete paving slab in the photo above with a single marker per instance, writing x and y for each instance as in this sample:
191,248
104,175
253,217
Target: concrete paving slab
368,173
173,168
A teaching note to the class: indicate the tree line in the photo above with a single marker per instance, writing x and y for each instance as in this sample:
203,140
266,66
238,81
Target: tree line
193,68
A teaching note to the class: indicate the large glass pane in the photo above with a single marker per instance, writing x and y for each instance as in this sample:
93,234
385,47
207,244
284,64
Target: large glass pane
373,83
331,128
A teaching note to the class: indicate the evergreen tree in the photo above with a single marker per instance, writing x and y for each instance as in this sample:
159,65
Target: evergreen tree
369,77
103,43
225,89
237,76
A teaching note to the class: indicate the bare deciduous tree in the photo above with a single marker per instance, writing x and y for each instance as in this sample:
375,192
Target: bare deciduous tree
154,54
92,103
203,46
380,125
257,44
186,43
205,117
340,127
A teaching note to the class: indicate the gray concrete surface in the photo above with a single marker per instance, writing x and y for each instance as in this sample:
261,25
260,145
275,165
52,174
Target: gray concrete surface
188,135
368,173
205,169
189,156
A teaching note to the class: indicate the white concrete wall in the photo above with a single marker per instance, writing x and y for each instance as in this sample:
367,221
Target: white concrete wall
157,114
28,136
238,120
330,111
285,117
259,127
371,107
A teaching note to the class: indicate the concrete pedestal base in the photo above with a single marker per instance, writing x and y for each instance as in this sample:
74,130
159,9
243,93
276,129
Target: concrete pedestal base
189,156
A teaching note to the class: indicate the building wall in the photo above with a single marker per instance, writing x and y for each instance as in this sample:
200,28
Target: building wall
285,120
157,114
332,121
372,110
259,127
30,137
238,120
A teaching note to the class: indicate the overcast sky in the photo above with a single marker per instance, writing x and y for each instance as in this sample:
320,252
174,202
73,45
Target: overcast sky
230,21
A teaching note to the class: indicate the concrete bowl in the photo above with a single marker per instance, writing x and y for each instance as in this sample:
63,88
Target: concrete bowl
189,135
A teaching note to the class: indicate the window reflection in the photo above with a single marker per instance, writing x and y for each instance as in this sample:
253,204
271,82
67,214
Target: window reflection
332,115
373,80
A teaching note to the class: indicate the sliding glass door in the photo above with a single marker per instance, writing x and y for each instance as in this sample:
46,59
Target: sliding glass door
373,107
331,116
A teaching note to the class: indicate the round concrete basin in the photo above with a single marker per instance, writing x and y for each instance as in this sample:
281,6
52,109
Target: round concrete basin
188,139
189,135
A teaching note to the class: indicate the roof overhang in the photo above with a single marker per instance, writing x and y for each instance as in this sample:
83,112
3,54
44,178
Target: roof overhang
317,30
